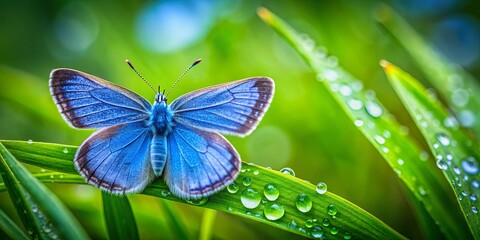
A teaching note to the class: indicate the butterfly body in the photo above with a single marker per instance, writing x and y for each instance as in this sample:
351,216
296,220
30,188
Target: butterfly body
138,141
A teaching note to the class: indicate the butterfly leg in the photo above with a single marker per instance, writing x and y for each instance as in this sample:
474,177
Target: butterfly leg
158,153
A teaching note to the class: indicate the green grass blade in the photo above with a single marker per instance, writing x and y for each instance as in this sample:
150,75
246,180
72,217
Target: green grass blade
460,89
61,218
174,221
11,229
119,217
24,205
455,152
398,148
350,220
208,220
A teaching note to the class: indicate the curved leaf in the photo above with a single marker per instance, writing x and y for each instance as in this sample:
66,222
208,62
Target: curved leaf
348,221
461,89
398,148
457,155
119,217
61,218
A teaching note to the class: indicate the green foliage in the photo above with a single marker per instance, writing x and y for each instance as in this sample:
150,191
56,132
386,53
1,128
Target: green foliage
322,140
119,217
457,155
342,215
380,128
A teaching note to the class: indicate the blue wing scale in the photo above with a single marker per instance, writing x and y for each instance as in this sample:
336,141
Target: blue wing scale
86,101
117,159
199,163
233,108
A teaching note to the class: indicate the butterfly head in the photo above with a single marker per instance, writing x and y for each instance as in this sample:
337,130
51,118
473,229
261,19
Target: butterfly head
160,98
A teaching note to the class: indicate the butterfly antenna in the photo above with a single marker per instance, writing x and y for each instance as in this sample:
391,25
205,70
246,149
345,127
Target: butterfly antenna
178,79
140,75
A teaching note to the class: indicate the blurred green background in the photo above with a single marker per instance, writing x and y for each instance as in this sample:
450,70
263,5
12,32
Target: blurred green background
304,128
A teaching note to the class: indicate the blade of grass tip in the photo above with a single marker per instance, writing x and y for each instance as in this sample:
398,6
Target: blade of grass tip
174,221
22,202
457,155
119,217
9,227
60,216
208,220
460,89
398,148
350,221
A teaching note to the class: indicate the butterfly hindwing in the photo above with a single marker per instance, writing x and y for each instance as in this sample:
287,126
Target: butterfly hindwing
117,159
199,163
86,101
233,108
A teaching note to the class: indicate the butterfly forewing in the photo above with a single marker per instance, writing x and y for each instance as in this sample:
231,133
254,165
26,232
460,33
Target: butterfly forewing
232,108
199,163
86,101
116,159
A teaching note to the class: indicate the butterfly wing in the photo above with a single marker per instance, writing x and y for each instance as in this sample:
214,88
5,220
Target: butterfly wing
117,159
86,101
199,163
232,108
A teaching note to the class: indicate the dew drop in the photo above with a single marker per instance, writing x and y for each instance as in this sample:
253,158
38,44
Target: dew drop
304,203
347,236
65,150
457,170
470,165
422,191
331,210
250,198
326,222
288,171
332,61
460,97
355,104
373,109
165,193
442,164
358,122
345,90
273,211
334,231
475,183
330,75
474,210
379,139
246,181
321,188
309,223
198,202
424,155
317,232
400,162
466,118
271,191
255,172
450,122
233,187
229,209
443,139
30,141
292,225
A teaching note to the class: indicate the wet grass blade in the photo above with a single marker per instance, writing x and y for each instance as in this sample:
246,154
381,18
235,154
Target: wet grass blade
460,89
11,229
60,217
119,217
344,218
398,148
456,154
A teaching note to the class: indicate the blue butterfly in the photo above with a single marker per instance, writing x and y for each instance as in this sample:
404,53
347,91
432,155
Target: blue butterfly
137,141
